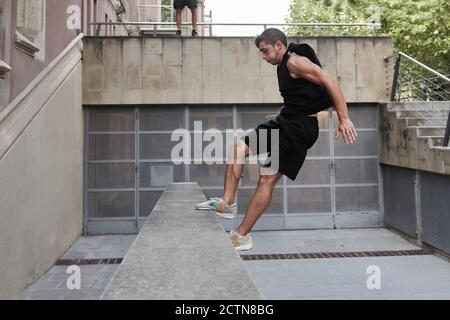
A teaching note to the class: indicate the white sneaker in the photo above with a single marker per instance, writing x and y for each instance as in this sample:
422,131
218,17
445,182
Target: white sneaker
241,243
223,209
220,208
206,205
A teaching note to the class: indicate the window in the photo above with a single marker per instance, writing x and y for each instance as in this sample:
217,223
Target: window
30,25
156,11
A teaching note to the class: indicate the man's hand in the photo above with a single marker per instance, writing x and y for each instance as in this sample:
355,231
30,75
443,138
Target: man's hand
348,131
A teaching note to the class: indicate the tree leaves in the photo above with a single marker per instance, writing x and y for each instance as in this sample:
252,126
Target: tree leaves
420,28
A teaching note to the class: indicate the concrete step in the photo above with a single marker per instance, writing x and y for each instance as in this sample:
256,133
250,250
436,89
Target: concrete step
431,137
421,113
394,106
414,122
433,141
430,131
440,148
436,141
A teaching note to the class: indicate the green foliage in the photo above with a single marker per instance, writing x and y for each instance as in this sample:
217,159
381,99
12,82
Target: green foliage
420,28
166,12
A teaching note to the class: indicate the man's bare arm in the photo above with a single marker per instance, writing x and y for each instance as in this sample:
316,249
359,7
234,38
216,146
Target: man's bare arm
300,66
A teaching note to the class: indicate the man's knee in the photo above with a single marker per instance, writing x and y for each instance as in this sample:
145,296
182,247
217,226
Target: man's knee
237,153
239,147
269,180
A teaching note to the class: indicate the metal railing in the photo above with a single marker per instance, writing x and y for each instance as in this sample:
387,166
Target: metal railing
414,81
154,25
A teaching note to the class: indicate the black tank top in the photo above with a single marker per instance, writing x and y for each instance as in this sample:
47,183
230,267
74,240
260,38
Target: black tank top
301,97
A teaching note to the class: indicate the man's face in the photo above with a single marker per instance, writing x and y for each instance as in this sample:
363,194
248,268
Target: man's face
273,54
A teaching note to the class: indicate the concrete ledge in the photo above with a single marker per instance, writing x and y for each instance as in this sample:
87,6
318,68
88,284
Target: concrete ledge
181,253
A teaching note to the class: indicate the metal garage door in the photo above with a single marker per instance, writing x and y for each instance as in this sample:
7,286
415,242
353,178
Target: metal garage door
128,164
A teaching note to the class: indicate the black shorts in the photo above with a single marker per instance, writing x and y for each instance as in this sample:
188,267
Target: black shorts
192,4
296,136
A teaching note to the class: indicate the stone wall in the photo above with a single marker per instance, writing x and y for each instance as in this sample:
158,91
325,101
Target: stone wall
220,70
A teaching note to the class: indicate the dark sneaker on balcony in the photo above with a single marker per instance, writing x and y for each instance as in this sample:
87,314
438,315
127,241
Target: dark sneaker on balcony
178,33
194,33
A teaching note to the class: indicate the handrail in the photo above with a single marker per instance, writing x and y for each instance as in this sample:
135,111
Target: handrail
42,75
17,116
439,75
419,64
313,24
396,83
372,26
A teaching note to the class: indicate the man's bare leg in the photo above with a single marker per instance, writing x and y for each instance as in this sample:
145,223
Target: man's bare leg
259,202
178,18
194,18
233,172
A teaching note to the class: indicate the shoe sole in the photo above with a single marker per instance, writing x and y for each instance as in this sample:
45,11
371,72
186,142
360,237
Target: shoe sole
244,248
203,208
229,216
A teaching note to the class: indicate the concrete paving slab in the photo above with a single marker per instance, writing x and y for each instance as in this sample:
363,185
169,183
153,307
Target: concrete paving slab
341,240
401,276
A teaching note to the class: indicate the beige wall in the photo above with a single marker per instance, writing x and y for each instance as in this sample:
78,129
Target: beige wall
41,179
52,42
220,70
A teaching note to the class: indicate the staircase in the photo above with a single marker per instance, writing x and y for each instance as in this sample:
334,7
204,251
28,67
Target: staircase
411,135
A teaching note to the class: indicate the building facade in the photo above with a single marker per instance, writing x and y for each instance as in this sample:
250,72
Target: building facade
34,33
107,11
41,132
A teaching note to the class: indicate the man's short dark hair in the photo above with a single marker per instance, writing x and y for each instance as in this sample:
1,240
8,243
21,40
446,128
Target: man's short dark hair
270,36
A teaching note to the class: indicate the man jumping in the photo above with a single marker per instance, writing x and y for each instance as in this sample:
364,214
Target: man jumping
306,90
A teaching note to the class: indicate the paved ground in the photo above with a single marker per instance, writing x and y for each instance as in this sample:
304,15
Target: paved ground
94,278
344,240
401,277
